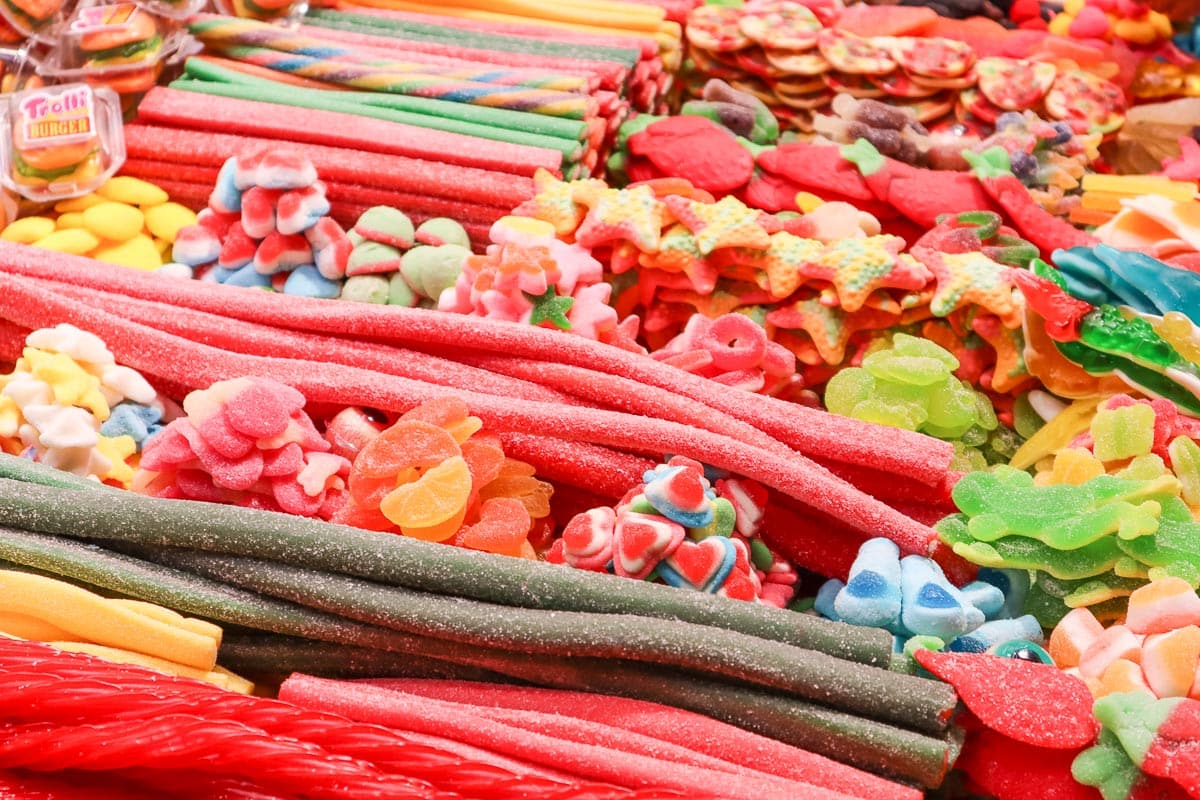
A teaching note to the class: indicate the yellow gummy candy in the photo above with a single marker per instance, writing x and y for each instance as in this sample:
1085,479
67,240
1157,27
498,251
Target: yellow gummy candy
78,204
1075,466
116,449
807,201
116,222
1139,184
72,219
164,221
76,241
72,384
140,252
28,230
124,189
1057,433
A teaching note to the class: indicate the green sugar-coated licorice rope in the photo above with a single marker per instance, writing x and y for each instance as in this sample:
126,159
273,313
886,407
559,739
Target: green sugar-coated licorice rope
401,561
846,685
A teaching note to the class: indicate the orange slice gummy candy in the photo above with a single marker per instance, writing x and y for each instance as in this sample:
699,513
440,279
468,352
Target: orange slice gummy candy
449,413
438,496
408,443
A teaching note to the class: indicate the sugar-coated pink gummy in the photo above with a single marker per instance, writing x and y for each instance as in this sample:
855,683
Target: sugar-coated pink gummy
336,164
174,108
796,476
696,732
237,248
227,441
368,703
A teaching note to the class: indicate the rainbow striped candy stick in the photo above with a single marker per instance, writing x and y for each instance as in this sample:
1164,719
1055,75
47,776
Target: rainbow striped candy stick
225,32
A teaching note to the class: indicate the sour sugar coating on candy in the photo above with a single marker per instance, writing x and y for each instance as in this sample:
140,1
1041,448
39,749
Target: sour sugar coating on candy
677,528
267,226
528,275
734,350
394,264
66,402
436,474
246,441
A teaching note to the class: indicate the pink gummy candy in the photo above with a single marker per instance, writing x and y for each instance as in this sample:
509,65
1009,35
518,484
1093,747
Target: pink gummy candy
237,249
640,541
279,252
258,211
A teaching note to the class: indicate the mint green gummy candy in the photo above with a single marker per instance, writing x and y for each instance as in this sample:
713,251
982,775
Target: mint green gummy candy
1107,767
1185,458
888,365
1019,552
1123,432
1134,718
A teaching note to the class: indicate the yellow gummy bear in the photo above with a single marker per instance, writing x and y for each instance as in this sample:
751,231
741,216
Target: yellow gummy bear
72,384
117,449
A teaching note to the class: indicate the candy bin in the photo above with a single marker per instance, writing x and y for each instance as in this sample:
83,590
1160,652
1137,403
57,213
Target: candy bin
122,46
61,141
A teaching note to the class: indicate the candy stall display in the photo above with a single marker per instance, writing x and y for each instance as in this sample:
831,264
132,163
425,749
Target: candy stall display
600,399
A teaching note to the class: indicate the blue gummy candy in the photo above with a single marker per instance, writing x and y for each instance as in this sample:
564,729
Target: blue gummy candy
654,492
996,632
1013,583
984,596
872,593
248,277
225,194
932,605
306,281
823,603
667,571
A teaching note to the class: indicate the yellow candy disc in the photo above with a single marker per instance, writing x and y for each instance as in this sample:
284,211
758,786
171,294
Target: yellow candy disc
28,230
124,189
140,252
164,221
114,221
77,241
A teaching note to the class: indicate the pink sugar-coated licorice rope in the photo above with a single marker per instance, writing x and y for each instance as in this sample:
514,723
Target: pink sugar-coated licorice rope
418,206
338,164
45,685
383,706
179,109
808,430
153,352
622,394
248,337
823,545
600,470
890,487
701,734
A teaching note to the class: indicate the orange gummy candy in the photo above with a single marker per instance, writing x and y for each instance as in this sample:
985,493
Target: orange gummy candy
502,528
424,507
408,443
450,413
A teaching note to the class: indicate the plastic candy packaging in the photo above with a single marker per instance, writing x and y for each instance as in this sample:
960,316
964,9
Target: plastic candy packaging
61,141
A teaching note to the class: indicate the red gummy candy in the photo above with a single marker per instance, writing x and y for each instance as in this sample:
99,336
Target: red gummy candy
1010,770
286,460
1061,312
406,444
1037,704
258,211
237,250
280,252
263,409
640,541
222,437
695,149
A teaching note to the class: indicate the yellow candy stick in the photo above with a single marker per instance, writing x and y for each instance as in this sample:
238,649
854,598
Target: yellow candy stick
215,676
23,626
173,618
1131,185
1057,433
1102,201
92,618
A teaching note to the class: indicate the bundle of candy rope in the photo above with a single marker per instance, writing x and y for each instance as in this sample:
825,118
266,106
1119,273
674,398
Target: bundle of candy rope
227,337
794,677
125,731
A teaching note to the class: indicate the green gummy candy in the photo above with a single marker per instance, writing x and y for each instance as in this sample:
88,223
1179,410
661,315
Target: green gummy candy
400,293
1107,767
724,518
1147,467
1175,547
985,412
760,555
1123,432
888,365
366,289
952,529
1134,718
432,270
1026,421
951,407
967,459
1019,552
641,505
907,345
847,389
884,411
1185,458
1088,591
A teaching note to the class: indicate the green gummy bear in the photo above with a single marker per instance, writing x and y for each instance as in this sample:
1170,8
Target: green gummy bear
1134,719
908,345
967,458
1123,432
886,408
1106,766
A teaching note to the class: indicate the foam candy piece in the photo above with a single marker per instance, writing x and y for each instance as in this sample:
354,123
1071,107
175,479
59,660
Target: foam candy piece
985,596
307,281
279,252
386,225
703,565
75,241
997,632
1116,642
195,246
823,603
1163,605
872,593
371,258
127,383
226,197
588,539
165,221
133,191
400,293
248,277
299,209
432,270
438,231
1073,635
331,247
283,169
217,222
173,269
61,427
114,221
640,541
237,249
258,211
931,604
1169,661
1122,675
366,289
679,491
139,252
135,420
1013,585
